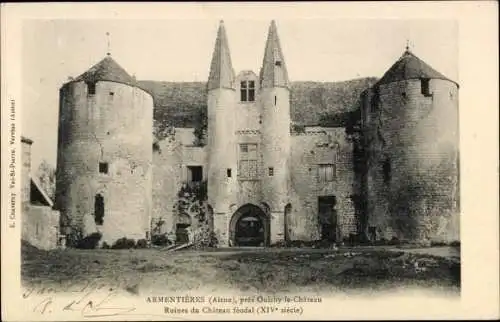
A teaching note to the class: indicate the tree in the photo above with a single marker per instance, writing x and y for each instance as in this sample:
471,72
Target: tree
192,202
46,174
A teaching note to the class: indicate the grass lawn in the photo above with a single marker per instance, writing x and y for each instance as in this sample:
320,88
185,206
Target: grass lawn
153,271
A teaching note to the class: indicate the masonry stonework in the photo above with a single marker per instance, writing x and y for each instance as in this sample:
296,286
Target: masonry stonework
105,157
412,133
262,174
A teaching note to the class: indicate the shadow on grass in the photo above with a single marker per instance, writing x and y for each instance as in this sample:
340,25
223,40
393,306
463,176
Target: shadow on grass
254,271
373,269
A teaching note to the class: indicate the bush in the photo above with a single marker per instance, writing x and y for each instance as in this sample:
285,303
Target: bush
105,245
204,237
142,243
160,240
438,243
74,237
380,242
89,242
394,241
124,243
280,244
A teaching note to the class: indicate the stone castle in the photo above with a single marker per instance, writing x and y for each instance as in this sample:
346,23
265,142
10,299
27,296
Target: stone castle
393,174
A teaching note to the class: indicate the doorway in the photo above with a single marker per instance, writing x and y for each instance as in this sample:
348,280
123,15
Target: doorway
249,226
327,215
182,229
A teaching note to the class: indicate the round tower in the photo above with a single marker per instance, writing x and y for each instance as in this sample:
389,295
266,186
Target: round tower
221,139
417,110
104,159
275,129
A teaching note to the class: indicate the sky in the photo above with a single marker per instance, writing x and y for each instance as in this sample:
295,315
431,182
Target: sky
181,49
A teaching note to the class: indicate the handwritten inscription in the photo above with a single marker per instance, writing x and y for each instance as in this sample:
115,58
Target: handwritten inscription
90,300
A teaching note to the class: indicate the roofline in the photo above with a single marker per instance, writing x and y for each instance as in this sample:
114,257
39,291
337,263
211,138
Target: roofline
414,78
40,189
111,81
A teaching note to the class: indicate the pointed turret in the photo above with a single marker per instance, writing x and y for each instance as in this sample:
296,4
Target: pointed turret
221,68
409,66
106,70
273,72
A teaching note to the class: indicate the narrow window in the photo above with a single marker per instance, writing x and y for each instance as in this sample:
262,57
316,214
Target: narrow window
229,174
243,90
326,172
99,209
275,100
195,173
111,94
91,88
424,83
251,91
103,167
271,171
386,169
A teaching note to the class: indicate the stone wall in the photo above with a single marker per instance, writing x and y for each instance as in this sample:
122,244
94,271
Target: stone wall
415,137
318,146
114,126
323,146
170,161
40,226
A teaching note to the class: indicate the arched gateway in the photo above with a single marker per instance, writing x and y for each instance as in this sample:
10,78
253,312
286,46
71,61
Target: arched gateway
249,226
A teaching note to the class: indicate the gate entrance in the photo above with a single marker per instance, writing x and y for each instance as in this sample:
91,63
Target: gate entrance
249,227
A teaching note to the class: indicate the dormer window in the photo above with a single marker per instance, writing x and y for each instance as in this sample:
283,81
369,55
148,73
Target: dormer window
91,88
424,83
247,91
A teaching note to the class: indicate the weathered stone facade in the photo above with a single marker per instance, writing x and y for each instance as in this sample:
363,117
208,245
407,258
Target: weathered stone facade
396,176
285,185
104,166
410,127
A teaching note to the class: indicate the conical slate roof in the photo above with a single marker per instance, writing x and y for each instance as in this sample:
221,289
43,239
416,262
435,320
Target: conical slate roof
221,69
273,72
106,70
410,66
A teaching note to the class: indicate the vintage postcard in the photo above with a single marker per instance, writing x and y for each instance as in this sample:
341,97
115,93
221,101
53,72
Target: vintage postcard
197,161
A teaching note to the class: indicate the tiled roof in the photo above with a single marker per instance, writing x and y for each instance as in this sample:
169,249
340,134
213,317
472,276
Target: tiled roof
410,66
106,70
